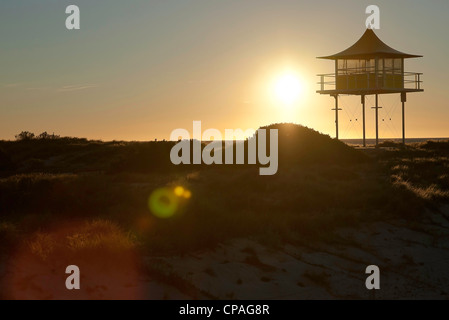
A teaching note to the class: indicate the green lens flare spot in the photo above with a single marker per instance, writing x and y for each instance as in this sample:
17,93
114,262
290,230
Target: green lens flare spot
163,203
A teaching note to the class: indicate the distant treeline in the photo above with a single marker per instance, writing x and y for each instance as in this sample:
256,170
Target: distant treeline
26,135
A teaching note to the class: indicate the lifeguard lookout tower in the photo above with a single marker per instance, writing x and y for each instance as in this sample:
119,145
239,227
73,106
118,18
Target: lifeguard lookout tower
370,67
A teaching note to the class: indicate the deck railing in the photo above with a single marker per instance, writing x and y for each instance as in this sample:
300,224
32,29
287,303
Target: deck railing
368,81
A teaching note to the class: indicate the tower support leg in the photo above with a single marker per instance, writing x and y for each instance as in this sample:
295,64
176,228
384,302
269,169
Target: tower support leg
363,114
403,100
377,120
336,115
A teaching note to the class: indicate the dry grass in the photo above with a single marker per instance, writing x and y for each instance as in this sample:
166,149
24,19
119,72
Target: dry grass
104,253
432,192
424,176
98,241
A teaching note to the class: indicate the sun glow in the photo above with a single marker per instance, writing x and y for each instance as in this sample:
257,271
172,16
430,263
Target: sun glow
288,88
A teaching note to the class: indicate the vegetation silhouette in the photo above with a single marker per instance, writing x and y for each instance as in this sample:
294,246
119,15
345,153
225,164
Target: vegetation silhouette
322,184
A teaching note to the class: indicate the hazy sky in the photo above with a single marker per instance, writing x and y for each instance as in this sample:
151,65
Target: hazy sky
138,69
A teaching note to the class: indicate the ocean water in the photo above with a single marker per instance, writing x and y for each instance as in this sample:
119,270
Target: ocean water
372,142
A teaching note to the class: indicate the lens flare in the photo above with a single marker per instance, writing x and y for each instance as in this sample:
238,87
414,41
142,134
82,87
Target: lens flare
187,194
163,203
143,224
179,191
182,192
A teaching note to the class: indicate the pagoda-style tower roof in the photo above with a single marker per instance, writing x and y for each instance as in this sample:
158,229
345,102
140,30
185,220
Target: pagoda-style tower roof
367,47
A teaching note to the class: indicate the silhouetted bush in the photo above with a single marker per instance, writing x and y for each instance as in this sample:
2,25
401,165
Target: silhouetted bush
46,136
25,136
435,145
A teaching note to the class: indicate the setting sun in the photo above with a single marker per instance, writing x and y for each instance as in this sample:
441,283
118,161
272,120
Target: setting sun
288,88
